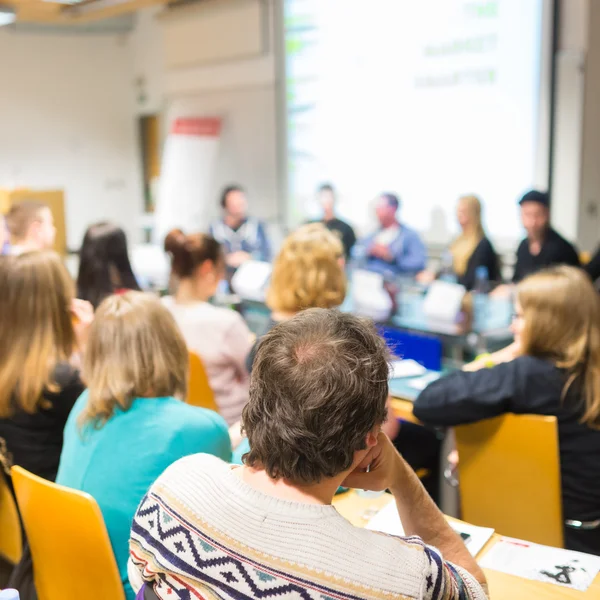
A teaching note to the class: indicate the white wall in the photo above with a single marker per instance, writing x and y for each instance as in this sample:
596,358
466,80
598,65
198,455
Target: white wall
67,121
240,87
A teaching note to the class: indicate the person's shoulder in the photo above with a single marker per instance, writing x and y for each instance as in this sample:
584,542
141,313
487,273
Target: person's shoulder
341,223
535,366
193,467
189,417
559,240
486,244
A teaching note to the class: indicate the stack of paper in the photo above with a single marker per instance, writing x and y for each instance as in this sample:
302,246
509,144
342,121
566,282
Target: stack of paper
570,569
387,521
406,368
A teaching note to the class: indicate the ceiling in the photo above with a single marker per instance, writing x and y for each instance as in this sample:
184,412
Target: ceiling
76,11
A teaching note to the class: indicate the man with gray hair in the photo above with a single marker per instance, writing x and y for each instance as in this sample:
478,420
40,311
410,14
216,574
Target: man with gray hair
268,529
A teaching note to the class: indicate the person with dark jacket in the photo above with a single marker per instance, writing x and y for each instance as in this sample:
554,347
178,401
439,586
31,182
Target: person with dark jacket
328,199
543,246
552,368
472,249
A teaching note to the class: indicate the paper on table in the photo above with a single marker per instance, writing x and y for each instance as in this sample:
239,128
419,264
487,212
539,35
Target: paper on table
406,368
566,568
387,521
422,382
475,538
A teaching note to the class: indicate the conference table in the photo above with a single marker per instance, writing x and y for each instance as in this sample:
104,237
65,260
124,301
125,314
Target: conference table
358,510
410,317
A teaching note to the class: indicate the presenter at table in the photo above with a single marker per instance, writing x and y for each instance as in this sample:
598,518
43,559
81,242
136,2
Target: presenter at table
394,249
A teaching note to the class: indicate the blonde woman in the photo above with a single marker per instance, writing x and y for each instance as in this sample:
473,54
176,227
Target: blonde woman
471,249
553,368
38,385
132,423
308,273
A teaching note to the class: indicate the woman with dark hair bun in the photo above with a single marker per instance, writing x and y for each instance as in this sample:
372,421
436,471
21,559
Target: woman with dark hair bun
104,267
218,335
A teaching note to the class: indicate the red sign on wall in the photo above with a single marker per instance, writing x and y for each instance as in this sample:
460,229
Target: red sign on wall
200,126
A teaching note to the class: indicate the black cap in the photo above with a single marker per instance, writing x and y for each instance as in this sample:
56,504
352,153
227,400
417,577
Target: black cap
536,196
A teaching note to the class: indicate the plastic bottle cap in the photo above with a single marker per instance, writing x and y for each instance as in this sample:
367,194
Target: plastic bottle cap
9,595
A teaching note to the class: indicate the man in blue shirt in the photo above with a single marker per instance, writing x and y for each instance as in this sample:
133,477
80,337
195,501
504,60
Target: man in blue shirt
394,249
242,237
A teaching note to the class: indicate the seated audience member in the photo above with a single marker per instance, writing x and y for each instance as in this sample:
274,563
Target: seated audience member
132,423
553,368
543,246
317,404
104,267
307,273
242,237
38,385
394,249
31,227
327,199
471,249
218,335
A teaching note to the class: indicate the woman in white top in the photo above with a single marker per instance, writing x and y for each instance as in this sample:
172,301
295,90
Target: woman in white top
218,335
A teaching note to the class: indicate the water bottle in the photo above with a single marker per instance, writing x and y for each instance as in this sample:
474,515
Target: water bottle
9,595
447,268
480,298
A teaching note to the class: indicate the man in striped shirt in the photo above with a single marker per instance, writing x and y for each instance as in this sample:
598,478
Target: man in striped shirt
268,529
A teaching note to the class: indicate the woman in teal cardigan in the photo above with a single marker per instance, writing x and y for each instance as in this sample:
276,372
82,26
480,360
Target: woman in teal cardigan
131,423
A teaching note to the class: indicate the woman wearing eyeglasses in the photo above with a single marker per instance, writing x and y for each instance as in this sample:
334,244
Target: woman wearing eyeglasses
552,368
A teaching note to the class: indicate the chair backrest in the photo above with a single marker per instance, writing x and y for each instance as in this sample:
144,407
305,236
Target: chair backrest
199,390
69,543
11,539
509,473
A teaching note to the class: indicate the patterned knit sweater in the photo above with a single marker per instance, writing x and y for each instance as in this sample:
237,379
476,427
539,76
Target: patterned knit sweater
202,532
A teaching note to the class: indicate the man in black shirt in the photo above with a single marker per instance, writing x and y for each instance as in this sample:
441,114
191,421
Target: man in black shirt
327,199
543,246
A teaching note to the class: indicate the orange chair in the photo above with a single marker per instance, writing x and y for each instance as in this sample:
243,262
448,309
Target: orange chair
11,539
199,390
69,543
510,477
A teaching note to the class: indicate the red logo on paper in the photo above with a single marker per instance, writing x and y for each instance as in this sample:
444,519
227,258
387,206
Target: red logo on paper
205,126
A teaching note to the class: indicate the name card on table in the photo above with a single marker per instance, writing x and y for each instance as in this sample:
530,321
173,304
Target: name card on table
370,297
250,280
443,301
